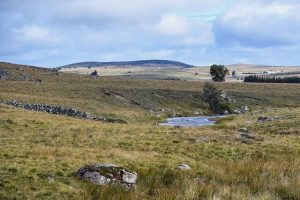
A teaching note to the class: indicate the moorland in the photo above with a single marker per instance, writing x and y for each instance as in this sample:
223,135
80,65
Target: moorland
39,152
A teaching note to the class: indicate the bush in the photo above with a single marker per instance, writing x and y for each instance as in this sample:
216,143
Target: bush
214,98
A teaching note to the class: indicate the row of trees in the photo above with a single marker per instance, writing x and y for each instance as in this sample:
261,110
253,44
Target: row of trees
266,79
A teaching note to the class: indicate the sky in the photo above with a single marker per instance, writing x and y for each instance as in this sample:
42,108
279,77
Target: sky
53,33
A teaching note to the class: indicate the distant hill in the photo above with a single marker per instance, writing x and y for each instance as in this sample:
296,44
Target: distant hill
125,64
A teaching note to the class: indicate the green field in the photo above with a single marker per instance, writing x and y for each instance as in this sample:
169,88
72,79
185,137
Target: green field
37,145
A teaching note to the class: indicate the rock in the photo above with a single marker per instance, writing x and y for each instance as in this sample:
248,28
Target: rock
200,181
245,136
3,74
243,130
237,112
198,113
243,109
25,77
226,112
50,178
184,166
19,68
268,119
245,133
245,140
202,139
104,174
230,100
223,94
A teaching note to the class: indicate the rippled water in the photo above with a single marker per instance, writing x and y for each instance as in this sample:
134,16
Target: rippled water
191,121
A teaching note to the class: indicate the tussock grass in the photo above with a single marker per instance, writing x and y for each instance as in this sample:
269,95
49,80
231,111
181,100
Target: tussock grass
35,146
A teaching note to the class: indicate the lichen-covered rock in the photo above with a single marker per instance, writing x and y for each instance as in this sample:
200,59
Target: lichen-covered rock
104,174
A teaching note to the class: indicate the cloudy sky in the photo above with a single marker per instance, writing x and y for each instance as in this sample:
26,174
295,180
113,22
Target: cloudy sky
200,32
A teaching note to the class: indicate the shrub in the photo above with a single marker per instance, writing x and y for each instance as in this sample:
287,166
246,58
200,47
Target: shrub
214,98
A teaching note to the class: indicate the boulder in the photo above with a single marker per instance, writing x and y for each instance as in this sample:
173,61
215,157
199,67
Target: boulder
245,136
242,110
226,112
245,109
184,166
104,174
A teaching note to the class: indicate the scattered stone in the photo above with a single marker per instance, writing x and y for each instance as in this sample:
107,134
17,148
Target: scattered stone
104,174
19,68
245,109
225,97
200,181
198,113
202,139
268,119
290,132
184,166
50,178
223,94
245,136
26,77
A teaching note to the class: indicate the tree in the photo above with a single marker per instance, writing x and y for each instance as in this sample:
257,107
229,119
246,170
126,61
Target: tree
233,73
218,72
213,97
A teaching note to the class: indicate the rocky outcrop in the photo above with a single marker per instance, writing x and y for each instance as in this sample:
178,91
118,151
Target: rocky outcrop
104,174
245,136
242,110
59,110
3,74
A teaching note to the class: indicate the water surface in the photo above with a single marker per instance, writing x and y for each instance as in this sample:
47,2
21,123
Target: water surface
192,121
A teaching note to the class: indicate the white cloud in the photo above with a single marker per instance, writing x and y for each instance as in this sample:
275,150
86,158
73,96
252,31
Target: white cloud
37,35
173,25
259,23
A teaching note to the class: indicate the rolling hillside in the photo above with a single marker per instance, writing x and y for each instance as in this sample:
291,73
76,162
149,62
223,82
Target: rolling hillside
126,64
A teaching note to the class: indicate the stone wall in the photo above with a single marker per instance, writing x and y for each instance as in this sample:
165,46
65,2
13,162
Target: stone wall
59,110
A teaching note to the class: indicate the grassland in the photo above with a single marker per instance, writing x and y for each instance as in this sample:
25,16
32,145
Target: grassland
35,146
192,73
